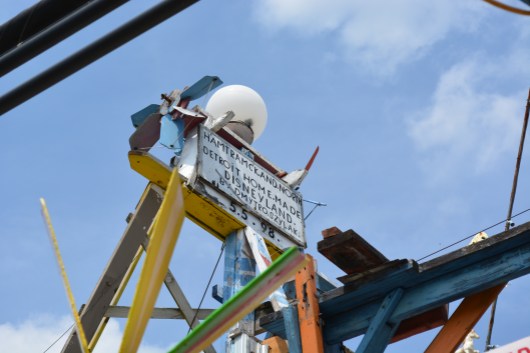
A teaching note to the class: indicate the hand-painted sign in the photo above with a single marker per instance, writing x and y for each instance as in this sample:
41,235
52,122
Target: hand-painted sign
250,185
521,346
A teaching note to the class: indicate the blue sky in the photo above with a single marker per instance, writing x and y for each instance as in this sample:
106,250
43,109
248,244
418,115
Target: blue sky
416,106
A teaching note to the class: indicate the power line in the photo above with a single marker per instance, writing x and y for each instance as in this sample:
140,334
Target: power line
57,340
472,235
92,52
207,286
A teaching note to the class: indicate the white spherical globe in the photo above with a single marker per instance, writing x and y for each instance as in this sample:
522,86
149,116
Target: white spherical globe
247,105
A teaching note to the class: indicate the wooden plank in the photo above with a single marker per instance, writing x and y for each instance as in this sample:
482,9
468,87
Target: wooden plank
239,270
381,330
421,323
463,320
64,276
94,310
116,298
292,329
350,252
347,310
161,245
329,232
178,296
158,313
507,257
275,323
373,264
308,309
358,279
276,345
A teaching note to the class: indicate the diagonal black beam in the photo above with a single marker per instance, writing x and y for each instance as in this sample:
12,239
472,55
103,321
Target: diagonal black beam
72,22
121,35
33,20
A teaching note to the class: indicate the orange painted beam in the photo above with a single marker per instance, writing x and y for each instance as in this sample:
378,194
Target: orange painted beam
276,345
308,309
463,320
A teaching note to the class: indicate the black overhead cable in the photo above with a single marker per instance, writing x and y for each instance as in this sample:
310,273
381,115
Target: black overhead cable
58,338
64,27
33,20
92,52
472,235
206,289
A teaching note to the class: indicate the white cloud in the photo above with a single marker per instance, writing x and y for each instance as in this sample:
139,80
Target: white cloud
470,125
378,34
37,334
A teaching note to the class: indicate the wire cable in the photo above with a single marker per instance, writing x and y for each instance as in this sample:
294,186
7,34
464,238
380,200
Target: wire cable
471,236
57,340
508,8
510,208
207,286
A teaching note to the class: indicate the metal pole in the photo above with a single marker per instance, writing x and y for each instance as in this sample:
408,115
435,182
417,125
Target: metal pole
510,208
121,35
56,32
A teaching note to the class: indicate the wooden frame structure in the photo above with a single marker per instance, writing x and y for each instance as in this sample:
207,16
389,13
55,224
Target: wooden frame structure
375,302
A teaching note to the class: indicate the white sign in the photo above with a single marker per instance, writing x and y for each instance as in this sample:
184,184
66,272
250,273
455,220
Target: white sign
521,346
250,185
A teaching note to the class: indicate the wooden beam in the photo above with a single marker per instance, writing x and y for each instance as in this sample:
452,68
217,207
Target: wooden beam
182,302
158,313
308,309
420,323
381,330
70,295
292,329
161,245
348,310
360,260
465,272
463,320
239,270
94,311
349,251
276,345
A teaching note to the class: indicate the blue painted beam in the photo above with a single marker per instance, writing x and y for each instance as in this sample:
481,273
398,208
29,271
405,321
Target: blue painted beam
348,311
292,329
380,330
239,269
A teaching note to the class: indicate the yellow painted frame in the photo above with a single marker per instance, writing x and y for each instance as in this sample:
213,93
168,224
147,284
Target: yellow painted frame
158,254
203,212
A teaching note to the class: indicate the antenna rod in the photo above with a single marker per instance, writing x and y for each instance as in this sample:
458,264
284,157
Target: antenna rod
510,208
